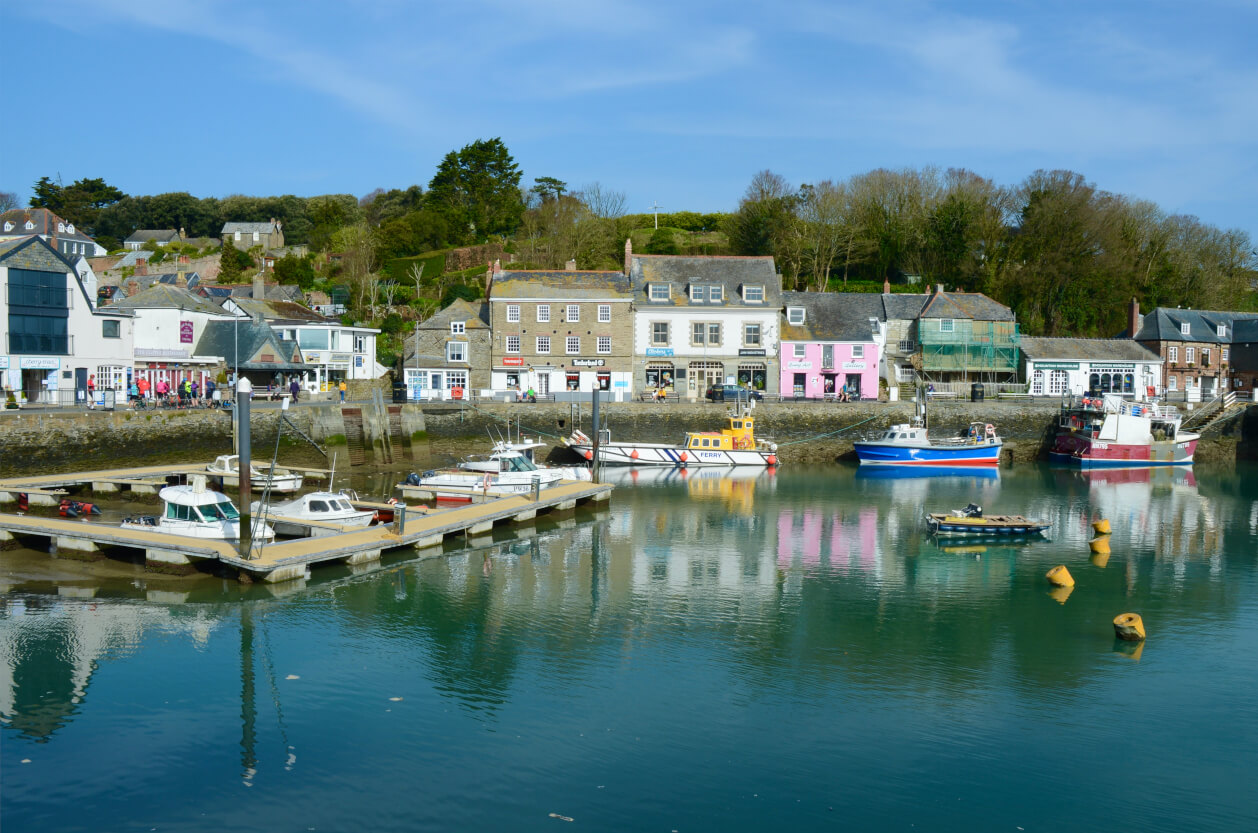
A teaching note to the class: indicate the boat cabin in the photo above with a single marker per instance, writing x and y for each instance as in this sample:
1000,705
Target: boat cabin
737,435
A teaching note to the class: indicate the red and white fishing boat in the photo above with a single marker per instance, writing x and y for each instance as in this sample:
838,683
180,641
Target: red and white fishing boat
1110,432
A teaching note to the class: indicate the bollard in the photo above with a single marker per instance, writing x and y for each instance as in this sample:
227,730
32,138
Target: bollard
1060,576
399,519
1129,627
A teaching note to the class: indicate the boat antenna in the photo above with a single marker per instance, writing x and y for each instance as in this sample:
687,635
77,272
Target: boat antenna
332,474
270,476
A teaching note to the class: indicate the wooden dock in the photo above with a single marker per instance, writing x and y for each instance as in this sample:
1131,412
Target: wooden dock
417,527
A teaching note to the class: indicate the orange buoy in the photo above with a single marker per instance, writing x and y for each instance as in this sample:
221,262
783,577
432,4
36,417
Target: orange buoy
1060,576
772,459
589,455
1101,525
682,456
1129,627
633,454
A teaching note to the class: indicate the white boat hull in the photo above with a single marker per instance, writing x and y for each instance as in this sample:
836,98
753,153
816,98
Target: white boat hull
660,454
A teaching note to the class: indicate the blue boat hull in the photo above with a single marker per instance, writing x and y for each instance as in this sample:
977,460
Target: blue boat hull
888,454
1103,463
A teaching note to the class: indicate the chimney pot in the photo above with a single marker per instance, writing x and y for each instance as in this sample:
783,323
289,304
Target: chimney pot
571,265
886,286
628,254
939,289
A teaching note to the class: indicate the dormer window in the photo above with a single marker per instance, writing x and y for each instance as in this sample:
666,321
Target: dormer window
70,228
753,294
716,294
1221,331
8,225
795,315
61,228
658,292
703,293
1185,329
30,226
458,328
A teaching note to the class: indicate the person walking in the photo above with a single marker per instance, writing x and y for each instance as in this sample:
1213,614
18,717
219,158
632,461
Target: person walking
143,385
294,388
91,393
196,394
341,387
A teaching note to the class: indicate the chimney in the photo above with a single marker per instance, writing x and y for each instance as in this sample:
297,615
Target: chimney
628,254
142,266
571,265
1133,318
886,286
181,278
497,267
182,236
133,287
259,287
939,289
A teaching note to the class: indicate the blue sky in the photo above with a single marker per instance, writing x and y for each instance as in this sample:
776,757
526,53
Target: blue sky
680,102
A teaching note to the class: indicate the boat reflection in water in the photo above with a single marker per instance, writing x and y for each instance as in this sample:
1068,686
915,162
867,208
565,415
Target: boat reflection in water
620,476
911,473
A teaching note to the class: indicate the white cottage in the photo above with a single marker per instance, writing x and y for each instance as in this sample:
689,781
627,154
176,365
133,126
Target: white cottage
1076,366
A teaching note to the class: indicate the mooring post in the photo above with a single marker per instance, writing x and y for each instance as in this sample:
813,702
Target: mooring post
244,391
399,519
594,463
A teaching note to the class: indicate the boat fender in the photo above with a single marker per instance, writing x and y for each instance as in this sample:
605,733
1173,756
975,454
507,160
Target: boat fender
633,455
1129,627
485,483
1060,576
589,455
1101,525
394,501
772,460
67,510
990,429
23,501
683,456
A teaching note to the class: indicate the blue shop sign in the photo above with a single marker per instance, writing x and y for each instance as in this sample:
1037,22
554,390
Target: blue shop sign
659,351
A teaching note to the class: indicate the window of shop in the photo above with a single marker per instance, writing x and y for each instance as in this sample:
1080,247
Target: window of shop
604,344
572,345
659,376
456,379
543,344
543,313
704,375
574,381
1037,383
513,344
1058,383
110,377
659,333
751,335
513,381
752,375
513,313
604,380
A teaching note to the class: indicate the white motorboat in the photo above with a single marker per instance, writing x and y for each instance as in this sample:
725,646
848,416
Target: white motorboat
227,466
518,476
504,454
197,512
325,507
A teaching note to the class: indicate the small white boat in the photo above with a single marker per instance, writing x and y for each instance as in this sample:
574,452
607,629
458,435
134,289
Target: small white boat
197,512
520,476
326,507
504,453
227,466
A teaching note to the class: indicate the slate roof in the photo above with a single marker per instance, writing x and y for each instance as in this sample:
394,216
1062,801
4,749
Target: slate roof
972,305
45,223
902,306
131,259
220,338
281,311
474,313
248,228
168,296
1245,331
832,316
585,285
34,253
732,272
1087,349
165,235
1163,324
191,279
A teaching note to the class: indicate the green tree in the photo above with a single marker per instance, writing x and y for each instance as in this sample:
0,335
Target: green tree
232,262
477,191
457,291
662,242
80,203
549,188
291,269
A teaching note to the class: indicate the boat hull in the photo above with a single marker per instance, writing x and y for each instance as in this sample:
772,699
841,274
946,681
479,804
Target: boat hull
673,456
873,453
1088,453
999,527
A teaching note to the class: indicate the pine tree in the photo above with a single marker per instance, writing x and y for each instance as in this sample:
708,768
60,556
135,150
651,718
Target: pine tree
229,263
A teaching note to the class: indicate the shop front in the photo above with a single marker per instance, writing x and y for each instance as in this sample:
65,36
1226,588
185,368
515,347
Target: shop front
1131,380
428,383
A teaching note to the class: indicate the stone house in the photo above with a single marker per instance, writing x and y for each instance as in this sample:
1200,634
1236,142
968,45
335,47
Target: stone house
244,236
567,330
162,237
449,351
705,321
1195,346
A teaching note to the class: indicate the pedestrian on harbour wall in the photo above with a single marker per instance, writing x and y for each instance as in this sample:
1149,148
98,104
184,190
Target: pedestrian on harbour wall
91,393
294,389
341,387
143,385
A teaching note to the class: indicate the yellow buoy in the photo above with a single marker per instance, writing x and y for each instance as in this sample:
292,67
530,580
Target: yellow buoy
1060,576
1099,545
1129,626
1101,526
1100,559
1060,594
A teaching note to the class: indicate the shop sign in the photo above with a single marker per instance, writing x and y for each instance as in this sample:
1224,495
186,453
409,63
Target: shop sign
588,362
314,358
185,332
620,383
799,365
39,363
1056,365
513,361
340,358
358,361
4,362
746,351
853,365
659,351
1120,367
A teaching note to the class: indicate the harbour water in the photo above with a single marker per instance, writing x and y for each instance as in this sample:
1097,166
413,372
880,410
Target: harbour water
712,651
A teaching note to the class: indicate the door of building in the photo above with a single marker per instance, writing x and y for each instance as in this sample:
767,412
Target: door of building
543,384
797,386
854,386
80,384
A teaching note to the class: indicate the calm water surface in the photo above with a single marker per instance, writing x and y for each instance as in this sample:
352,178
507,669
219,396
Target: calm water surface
709,653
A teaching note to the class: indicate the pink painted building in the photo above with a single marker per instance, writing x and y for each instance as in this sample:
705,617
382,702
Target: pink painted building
831,341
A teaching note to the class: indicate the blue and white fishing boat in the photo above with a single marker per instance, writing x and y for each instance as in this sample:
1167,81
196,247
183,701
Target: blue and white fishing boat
911,445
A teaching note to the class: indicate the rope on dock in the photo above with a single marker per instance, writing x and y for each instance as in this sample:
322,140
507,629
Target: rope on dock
830,433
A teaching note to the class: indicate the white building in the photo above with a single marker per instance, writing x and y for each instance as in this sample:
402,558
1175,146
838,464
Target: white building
335,350
1076,366
169,322
54,342
705,321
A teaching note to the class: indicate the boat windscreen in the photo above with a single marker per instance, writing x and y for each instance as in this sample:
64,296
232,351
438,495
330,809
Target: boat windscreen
521,464
224,510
